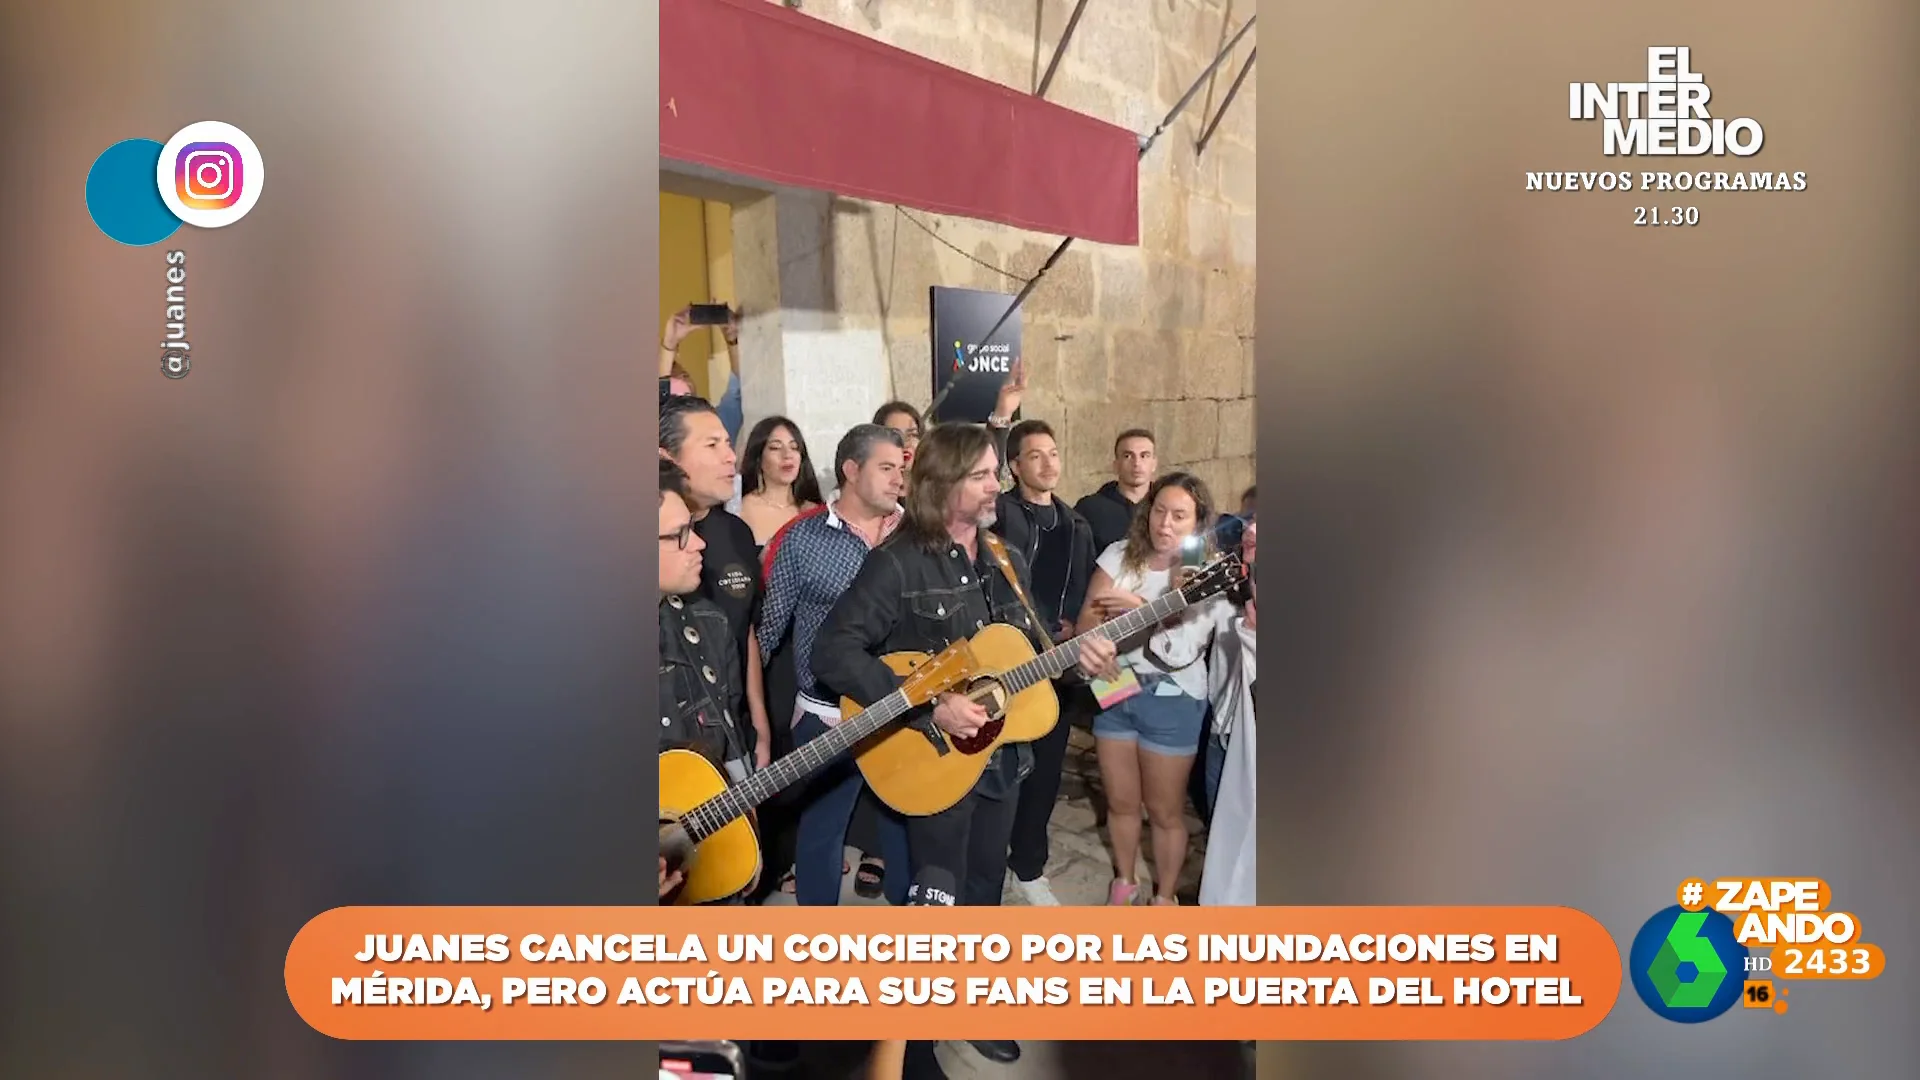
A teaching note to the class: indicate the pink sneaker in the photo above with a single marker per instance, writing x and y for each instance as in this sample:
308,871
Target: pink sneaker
1122,894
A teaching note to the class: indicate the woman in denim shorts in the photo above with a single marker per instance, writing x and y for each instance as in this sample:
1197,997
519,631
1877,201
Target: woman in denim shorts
1147,741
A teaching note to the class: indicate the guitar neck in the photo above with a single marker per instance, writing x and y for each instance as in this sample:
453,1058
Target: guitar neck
1059,660
714,814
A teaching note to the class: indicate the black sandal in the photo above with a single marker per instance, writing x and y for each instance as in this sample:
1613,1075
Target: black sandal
869,879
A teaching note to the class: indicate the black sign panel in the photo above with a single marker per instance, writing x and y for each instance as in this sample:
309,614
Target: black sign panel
968,372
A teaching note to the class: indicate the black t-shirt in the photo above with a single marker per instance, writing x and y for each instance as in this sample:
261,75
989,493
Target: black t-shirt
1052,557
730,573
1109,513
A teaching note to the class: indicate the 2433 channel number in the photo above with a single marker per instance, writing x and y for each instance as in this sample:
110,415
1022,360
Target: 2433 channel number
1666,215
1828,963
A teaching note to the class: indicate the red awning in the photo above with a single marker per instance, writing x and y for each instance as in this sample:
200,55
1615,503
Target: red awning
752,88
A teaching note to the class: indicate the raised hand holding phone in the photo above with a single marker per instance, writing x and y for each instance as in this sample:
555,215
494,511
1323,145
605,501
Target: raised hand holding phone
1193,556
678,327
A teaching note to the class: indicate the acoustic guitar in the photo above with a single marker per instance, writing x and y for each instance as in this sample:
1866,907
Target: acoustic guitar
924,772
705,830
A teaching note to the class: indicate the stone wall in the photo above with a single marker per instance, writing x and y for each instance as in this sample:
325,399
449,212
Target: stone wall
1160,335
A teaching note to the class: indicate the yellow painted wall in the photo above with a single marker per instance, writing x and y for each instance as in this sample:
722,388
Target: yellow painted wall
696,267
683,276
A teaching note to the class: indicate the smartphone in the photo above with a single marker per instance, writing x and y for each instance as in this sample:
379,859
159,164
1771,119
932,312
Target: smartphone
1193,552
709,314
715,1060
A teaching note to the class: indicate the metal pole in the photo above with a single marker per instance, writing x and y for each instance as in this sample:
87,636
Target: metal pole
1060,49
1225,103
1146,144
1195,88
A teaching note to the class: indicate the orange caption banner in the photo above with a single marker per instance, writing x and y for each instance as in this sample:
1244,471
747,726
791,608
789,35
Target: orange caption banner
1553,973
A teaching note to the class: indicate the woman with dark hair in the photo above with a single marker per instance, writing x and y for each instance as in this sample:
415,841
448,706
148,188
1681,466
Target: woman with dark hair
777,485
1148,731
777,481
904,419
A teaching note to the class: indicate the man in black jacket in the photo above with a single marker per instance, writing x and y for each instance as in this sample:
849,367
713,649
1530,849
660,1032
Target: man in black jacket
702,694
933,582
693,437
1057,544
1110,510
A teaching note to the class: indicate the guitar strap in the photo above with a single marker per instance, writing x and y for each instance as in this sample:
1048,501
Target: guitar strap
999,550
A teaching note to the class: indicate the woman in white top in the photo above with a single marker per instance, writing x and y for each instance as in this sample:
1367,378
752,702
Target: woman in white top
1147,741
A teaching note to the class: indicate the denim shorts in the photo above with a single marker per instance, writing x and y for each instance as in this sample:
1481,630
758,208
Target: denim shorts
1160,718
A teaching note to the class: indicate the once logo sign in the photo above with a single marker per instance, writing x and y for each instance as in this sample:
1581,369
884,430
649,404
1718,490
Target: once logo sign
996,358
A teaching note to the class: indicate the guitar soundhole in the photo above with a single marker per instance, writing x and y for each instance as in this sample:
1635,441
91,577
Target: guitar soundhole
676,845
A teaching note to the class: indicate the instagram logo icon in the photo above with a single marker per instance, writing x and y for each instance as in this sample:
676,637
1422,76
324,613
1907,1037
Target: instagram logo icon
210,174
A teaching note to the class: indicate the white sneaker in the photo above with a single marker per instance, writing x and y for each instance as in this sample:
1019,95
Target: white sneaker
1035,893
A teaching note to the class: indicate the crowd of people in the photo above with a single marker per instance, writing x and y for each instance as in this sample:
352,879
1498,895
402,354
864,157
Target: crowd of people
781,594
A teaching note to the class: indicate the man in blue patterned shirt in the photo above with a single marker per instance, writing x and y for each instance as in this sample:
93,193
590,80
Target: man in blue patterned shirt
808,572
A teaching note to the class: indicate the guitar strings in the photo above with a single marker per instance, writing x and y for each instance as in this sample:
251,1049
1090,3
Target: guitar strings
1057,661
715,813
1020,678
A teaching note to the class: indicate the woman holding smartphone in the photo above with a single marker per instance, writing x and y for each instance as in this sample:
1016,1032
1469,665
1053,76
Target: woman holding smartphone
1148,729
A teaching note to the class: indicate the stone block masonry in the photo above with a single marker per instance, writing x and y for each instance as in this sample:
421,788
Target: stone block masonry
1159,335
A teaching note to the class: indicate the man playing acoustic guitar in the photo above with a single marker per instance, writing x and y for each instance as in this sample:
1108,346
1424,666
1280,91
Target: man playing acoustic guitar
702,693
937,580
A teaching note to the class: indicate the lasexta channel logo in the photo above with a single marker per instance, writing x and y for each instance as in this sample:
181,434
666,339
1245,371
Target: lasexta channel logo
1687,965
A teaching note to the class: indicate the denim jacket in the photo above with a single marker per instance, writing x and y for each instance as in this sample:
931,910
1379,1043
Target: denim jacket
912,597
